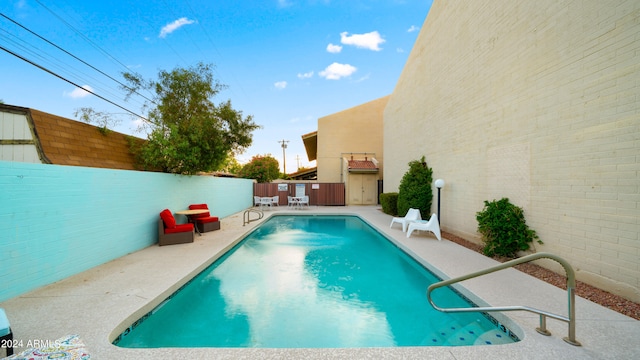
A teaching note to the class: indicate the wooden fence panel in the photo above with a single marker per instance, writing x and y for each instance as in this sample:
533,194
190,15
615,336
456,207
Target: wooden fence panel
324,194
329,194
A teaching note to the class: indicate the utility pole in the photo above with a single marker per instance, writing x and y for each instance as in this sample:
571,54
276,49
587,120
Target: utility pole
298,161
284,158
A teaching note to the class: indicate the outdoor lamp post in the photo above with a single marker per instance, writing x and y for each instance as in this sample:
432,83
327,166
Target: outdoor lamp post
439,184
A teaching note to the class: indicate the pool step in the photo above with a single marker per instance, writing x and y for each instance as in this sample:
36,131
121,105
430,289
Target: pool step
466,335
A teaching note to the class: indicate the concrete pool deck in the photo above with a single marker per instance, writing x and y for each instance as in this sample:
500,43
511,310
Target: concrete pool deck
100,303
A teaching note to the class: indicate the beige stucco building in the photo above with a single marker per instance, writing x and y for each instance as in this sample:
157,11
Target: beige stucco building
539,102
347,148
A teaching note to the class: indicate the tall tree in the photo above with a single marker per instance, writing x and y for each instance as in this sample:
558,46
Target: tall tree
262,168
231,165
188,133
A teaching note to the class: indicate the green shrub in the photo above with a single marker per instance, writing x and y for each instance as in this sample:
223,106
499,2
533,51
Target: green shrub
415,189
503,228
389,202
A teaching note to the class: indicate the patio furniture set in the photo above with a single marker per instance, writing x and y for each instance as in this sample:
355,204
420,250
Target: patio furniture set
199,219
412,221
295,202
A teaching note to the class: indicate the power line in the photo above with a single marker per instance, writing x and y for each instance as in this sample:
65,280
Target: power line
86,38
74,75
38,53
167,43
54,62
83,36
75,57
72,83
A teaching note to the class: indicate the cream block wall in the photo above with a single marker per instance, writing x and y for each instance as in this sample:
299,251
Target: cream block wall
537,101
356,130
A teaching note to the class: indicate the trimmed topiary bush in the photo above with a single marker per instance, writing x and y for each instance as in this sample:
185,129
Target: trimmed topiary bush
503,228
415,189
389,202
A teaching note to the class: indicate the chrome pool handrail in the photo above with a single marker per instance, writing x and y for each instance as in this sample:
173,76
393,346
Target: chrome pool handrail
246,216
571,286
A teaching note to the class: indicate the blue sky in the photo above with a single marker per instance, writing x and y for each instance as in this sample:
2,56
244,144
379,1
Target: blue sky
286,62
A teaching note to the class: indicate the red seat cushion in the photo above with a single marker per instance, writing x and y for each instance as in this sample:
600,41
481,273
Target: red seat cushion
168,219
199,207
179,228
207,219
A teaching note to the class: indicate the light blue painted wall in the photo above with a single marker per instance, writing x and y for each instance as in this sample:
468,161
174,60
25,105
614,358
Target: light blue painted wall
57,221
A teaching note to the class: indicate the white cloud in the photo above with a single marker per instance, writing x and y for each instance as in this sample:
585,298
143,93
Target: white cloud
280,85
369,41
79,93
138,122
364,78
413,28
337,71
171,27
284,3
334,48
140,126
305,75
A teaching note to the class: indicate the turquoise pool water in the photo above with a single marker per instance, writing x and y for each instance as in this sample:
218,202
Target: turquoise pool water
315,282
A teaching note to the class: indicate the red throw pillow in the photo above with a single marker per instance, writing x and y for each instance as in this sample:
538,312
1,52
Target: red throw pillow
168,219
199,207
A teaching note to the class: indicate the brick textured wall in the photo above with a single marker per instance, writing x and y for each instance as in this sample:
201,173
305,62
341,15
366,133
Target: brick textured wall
537,101
69,142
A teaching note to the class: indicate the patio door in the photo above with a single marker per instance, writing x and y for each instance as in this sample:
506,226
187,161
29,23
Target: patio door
363,189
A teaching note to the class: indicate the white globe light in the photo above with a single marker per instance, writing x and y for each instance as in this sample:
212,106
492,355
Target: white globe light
439,183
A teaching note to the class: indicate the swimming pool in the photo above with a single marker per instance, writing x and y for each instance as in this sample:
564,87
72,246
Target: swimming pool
311,281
